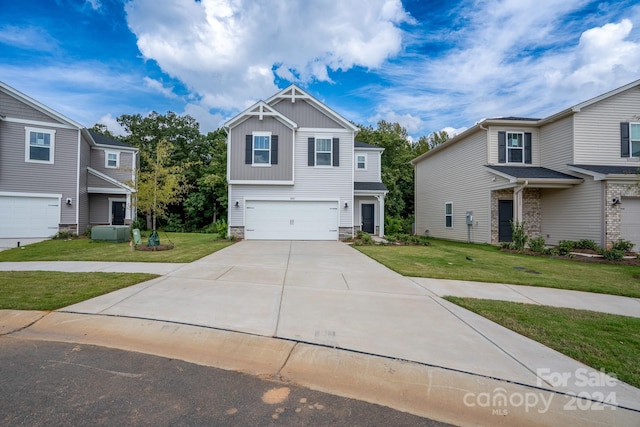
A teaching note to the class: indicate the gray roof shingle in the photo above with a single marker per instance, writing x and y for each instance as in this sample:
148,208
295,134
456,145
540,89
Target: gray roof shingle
531,172
615,170
105,140
369,186
359,144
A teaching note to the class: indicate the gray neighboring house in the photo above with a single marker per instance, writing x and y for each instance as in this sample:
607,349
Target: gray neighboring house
296,172
573,175
55,175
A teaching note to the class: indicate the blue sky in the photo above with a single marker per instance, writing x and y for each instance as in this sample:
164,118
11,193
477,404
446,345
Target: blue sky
429,65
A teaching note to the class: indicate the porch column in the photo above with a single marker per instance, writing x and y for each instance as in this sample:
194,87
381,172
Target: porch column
381,215
127,211
517,201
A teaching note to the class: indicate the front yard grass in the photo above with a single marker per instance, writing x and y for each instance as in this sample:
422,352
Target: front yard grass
485,263
188,247
602,341
48,290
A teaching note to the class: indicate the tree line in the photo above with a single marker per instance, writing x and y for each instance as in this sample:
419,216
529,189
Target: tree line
181,184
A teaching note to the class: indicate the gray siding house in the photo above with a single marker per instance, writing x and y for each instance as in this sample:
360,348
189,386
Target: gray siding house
55,175
296,172
573,175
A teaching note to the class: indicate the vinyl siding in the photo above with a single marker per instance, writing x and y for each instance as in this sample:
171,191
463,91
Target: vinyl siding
14,108
456,174
305,115
319,183
573,213
372,174
83,202
556,147
122,174
16,175
493,143
99,208
597,128
238,170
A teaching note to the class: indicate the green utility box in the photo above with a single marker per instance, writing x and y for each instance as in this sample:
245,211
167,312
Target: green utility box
110,233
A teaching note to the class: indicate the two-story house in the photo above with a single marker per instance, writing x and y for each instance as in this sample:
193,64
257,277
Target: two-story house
55,175
295,172
573,175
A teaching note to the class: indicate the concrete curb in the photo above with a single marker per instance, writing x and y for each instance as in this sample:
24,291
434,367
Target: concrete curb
450,396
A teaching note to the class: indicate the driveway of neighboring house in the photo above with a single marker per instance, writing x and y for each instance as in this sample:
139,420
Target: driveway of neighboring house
13,243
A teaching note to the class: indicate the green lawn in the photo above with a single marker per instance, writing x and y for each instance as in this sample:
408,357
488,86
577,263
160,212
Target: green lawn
602,341
188,247
48,290
449,260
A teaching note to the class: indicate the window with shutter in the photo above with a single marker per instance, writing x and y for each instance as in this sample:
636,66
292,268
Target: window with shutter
634,139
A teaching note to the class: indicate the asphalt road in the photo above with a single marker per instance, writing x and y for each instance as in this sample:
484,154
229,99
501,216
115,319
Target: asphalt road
54,384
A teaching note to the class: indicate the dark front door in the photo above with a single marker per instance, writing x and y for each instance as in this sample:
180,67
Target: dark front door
505,216
367,219
117,213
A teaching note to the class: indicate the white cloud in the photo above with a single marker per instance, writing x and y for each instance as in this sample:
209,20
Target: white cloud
112,124
229,51
158,86
95,4
28,38
411,123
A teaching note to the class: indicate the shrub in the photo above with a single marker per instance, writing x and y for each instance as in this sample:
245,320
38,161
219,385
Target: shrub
393,225
519,235
174,223
565,246
537,245
587,244
622,246
364,238
140,223
507,245
63,235
221,227
613,255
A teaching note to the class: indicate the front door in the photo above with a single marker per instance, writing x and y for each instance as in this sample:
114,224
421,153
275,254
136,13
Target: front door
118,213
505,216
368,224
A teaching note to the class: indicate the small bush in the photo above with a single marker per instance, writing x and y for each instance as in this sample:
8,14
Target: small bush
221,227
174,223
393,225
364,238
613,255
550,251
587,244
622,246
519,235
140,223
565,246
65,235
537,245
507,245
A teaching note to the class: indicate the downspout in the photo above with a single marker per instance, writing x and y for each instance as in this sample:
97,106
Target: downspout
517,195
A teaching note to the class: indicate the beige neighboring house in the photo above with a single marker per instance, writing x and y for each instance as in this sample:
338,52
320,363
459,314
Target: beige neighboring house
56,175
296,172
570,176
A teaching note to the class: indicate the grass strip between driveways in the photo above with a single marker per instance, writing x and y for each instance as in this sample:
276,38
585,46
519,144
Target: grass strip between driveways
188,247
485,263
602,341
49,290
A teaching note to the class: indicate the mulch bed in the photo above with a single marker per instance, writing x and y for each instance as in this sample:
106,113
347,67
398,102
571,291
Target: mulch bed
598,260
154,248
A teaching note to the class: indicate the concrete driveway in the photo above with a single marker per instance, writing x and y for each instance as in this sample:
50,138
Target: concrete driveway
327,293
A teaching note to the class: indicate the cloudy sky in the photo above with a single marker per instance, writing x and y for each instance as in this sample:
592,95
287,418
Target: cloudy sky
428,65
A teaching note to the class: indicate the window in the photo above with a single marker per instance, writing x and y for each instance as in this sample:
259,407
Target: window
39,145
515,147
261,149
361,162
634,131
448,214
323,151
111,159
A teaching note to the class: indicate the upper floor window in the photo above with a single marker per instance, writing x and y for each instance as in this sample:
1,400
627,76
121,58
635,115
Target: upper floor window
323,151
39,145
112,159
261,149
635,139
361,162
514,147
448,214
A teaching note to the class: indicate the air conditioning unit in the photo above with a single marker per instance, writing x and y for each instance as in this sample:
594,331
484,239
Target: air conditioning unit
111,233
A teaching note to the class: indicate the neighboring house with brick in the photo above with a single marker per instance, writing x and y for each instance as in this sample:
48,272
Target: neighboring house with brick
55,175
573,175
296,172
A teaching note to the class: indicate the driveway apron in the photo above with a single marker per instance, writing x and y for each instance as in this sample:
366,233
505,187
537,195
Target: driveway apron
330,294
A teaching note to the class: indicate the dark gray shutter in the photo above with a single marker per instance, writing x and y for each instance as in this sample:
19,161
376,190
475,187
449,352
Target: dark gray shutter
624,139
248,150
527,147
312,152
502,147
336,152
274,149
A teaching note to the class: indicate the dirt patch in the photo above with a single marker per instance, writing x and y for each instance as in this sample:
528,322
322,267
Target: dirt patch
276,395
154,248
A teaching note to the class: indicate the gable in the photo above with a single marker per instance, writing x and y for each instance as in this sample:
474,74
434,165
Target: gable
305,115
15,109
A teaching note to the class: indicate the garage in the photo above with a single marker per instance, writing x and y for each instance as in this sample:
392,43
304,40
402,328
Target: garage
291,220
29,215
630,221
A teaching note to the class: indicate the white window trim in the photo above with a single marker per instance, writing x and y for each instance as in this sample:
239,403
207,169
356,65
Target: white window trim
631,140
448,215
507,147
315,153
106,159
27,145
253,149
366,161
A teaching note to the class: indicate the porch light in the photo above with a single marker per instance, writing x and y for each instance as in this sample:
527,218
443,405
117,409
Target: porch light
346,205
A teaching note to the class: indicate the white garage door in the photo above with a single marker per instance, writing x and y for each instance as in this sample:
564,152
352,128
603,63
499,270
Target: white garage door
630,221
29,216
291,220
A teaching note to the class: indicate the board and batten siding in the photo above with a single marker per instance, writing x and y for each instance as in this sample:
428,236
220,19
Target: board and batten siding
597,129
14,108
239,171
455,174
311,182
305,115
573,213
493,143
556,147
17,175
372,174
122,173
